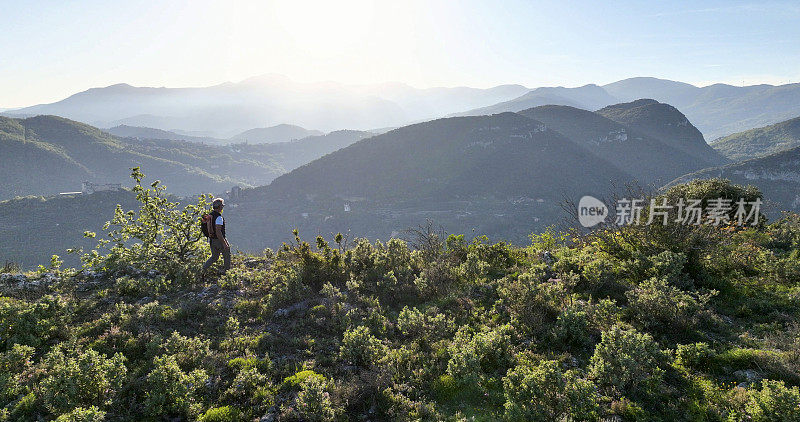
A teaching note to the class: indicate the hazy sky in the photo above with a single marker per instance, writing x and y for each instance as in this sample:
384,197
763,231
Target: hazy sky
52,49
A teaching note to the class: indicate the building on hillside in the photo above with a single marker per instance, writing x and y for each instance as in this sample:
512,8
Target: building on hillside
234,194
90,187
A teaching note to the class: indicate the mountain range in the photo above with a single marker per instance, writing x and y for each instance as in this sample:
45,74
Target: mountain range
504,175
225,110
265,135
230,108
45,155
274,134
716,110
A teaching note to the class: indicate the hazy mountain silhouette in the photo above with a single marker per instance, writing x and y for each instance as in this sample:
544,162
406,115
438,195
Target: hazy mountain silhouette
227,109
230,108
140,132
588,97
717,110
278,133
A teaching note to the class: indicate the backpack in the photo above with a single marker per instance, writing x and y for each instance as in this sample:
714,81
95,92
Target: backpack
205,226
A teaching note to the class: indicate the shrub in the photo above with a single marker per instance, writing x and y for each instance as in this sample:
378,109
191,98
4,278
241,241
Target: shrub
571,329
80,414
695,355
423,327
294,381
313,402
222,414
30,324
316,268
531,298
73,377
480,360
627,361
383,270
12,365
773,402
189,352
170,390
661,307
544,393
360,348
252,389
669,266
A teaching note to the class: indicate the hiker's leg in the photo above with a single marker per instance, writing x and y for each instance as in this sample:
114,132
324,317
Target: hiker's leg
226,255
214,256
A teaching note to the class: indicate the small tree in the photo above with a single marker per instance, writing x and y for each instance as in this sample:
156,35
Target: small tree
161,236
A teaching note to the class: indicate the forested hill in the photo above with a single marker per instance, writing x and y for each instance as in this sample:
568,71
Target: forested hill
761,141
501,155
45,155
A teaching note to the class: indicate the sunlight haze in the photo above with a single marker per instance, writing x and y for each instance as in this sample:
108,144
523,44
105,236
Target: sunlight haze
54,49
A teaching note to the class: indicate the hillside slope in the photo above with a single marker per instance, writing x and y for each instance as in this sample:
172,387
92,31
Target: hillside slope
777,175
588,97
274,134
503,154
665,123
649,160
46,154
717,110
632,323
761,141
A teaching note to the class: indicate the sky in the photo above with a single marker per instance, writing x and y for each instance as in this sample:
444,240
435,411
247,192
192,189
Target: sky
52,49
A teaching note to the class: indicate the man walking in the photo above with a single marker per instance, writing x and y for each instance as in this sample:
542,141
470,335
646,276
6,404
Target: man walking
216,234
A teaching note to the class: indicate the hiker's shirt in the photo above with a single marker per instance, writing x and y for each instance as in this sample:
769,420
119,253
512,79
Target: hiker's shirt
218,221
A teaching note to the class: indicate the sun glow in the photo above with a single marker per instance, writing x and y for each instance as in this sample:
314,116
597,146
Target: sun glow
326,27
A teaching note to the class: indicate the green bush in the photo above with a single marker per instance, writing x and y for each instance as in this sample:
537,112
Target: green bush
383,270
532,299
359,347
662,308
294,381
13,363
73,377
480,360
222,414
313,402
543,392
252,390
189,352
695,355
80,414
773,402
423,327
627,361
571,329
170,391
160,236
30,324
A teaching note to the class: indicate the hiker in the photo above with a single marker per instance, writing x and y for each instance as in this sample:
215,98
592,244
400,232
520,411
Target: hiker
216,236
